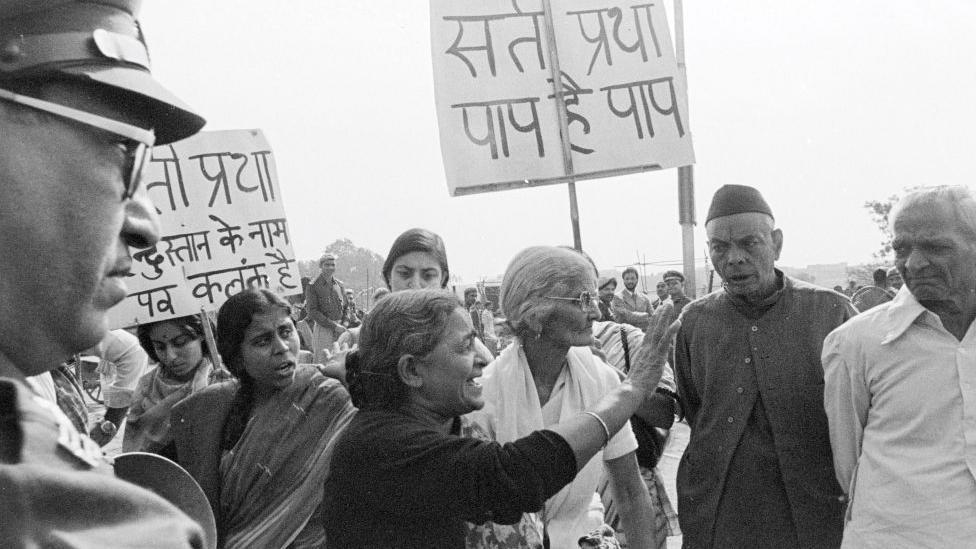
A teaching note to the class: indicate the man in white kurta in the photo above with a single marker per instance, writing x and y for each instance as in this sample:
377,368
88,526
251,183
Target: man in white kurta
900,388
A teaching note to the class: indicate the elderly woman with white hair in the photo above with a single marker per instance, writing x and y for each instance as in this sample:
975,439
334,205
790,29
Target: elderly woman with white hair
548,374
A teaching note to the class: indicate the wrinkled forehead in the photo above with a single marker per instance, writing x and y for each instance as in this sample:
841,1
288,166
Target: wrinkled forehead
730,228
927,219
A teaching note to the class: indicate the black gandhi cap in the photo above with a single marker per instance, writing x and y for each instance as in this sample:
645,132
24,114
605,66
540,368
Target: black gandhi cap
736,199
97,40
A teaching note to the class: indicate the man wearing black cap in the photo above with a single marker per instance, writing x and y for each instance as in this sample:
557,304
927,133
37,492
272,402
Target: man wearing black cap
79,112
758,468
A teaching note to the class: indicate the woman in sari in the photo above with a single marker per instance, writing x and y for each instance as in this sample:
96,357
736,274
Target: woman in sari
548,375
260,445
183,367
403,476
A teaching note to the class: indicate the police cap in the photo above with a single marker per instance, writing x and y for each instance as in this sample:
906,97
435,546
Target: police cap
96,40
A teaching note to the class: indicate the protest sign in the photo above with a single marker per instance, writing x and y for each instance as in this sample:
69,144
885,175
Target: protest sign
626,105
223,228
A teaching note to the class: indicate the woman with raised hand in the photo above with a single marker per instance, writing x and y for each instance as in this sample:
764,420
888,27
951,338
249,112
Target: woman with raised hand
401,474
184,367
260,445
549,375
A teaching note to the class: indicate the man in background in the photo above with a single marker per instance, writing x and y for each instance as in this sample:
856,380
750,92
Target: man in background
631,306
675,282
662,294
325,302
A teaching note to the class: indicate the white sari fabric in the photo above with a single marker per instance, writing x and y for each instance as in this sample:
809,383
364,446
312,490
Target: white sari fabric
513,409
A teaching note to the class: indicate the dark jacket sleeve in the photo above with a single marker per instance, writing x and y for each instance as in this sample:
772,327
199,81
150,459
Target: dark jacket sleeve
428,473
312,305
503,481
690,399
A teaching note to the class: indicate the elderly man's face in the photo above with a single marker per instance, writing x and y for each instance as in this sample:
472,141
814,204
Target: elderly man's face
935,258
743,249
630,281
64,254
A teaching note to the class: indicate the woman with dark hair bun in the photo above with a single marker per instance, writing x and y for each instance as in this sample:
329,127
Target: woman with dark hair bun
184,367
260,445
402,476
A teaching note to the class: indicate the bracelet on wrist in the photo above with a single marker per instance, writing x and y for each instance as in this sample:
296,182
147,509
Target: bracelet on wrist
606,430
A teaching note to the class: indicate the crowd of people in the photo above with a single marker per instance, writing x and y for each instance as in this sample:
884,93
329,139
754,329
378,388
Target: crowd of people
816,419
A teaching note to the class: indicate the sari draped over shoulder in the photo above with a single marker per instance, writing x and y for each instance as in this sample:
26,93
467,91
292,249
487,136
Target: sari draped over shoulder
272,480
147,427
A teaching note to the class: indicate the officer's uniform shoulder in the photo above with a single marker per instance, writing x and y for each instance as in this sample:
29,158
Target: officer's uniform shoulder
34,430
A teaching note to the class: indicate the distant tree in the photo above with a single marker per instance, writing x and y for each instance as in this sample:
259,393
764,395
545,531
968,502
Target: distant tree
879,210
359,269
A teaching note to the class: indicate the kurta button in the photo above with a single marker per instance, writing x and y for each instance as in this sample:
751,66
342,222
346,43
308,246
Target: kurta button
748,360
731,419
755,328
739,390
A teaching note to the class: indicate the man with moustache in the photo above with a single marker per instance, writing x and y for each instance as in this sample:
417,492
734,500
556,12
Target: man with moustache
758,470
901,386
79,113
631,306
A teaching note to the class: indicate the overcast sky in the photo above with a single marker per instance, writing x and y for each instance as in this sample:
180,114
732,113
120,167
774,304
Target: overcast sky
820,105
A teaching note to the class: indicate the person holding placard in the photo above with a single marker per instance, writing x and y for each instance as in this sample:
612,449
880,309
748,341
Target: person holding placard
184,366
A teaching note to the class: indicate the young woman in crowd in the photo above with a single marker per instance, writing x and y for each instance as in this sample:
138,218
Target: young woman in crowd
550,375
401,475
184,367
260,445
417,260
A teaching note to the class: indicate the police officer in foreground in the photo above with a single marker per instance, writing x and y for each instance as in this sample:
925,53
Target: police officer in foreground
79,113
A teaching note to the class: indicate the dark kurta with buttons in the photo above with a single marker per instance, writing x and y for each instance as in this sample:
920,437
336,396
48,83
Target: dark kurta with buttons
758,470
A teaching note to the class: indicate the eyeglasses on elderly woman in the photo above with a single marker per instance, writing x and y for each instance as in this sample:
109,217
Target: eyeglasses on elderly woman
586,301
